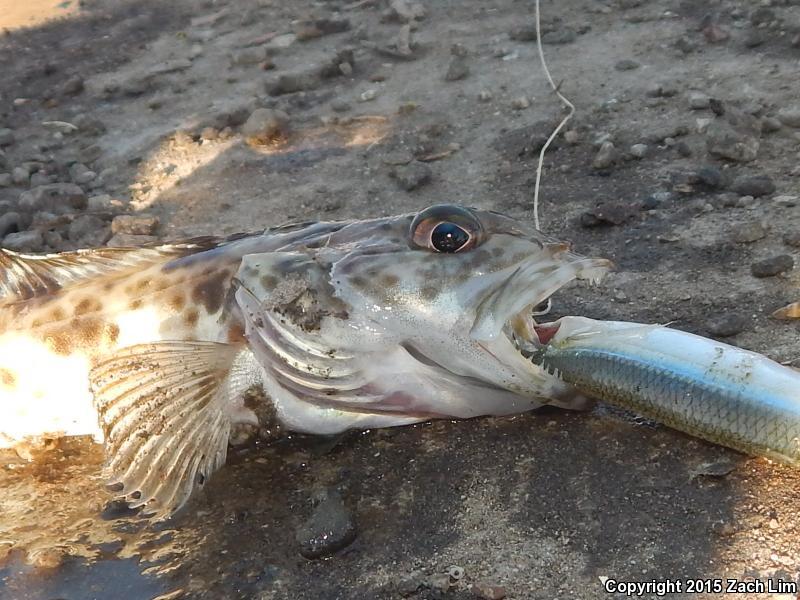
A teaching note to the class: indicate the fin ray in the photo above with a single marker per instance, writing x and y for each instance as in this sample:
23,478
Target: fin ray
164,410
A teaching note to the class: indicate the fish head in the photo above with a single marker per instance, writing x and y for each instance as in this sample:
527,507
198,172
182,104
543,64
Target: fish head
434,311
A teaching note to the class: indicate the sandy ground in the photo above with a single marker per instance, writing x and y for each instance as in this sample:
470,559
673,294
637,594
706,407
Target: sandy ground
543,505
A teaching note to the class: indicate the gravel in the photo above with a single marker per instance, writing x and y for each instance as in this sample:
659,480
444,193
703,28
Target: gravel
774,265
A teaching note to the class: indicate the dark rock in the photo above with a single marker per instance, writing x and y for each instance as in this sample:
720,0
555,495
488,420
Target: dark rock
662,89
288,83
25,241
792,239
755,38
608,214
683,149
6,137
775,265
626,64
89,230
762,15
311,29
525,141
265,125
73,86
523,33
89,125
9,223
711,177
411,176
753,185
55,197
457,69
329,528
726,325
563,35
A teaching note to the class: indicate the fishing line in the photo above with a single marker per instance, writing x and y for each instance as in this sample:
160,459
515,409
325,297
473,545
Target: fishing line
566,103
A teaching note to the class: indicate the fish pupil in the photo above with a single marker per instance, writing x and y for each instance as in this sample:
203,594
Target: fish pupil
448,237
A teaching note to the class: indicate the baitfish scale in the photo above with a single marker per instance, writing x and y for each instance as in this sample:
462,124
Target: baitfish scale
711,390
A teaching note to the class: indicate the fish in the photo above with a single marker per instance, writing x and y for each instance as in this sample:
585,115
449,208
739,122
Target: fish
157,351
720,393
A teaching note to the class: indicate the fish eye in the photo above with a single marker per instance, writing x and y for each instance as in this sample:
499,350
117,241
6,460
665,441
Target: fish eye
446,229
448,237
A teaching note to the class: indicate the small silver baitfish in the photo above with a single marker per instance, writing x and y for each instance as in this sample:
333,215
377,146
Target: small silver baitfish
714,391
341,325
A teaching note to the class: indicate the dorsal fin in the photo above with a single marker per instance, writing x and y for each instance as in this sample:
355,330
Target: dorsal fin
25,276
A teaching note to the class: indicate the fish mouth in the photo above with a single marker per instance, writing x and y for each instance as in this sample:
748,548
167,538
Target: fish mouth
523,329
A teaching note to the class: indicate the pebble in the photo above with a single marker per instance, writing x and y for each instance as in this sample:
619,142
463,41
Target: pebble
747,233
572,137
607,214
20,176
368,95
340,106
755,38
699,101
626,64
139,224
770,125
564,35
56,197
457,69
520,103
41,178
209,134
523,33
81,174
789,116
73,86
726,325
9,223
89,230
792,239
726,142
6,180
288,83
126,240
775,265
639,150
411,176
753,185
329,528
488,591
662,89
485,96
29,241
265,125
605,157
711,177
6,137
309,30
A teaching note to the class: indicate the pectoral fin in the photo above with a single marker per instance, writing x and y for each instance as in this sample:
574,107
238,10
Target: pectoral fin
166,413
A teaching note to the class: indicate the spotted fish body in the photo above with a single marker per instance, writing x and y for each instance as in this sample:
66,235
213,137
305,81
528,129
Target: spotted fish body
351,324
